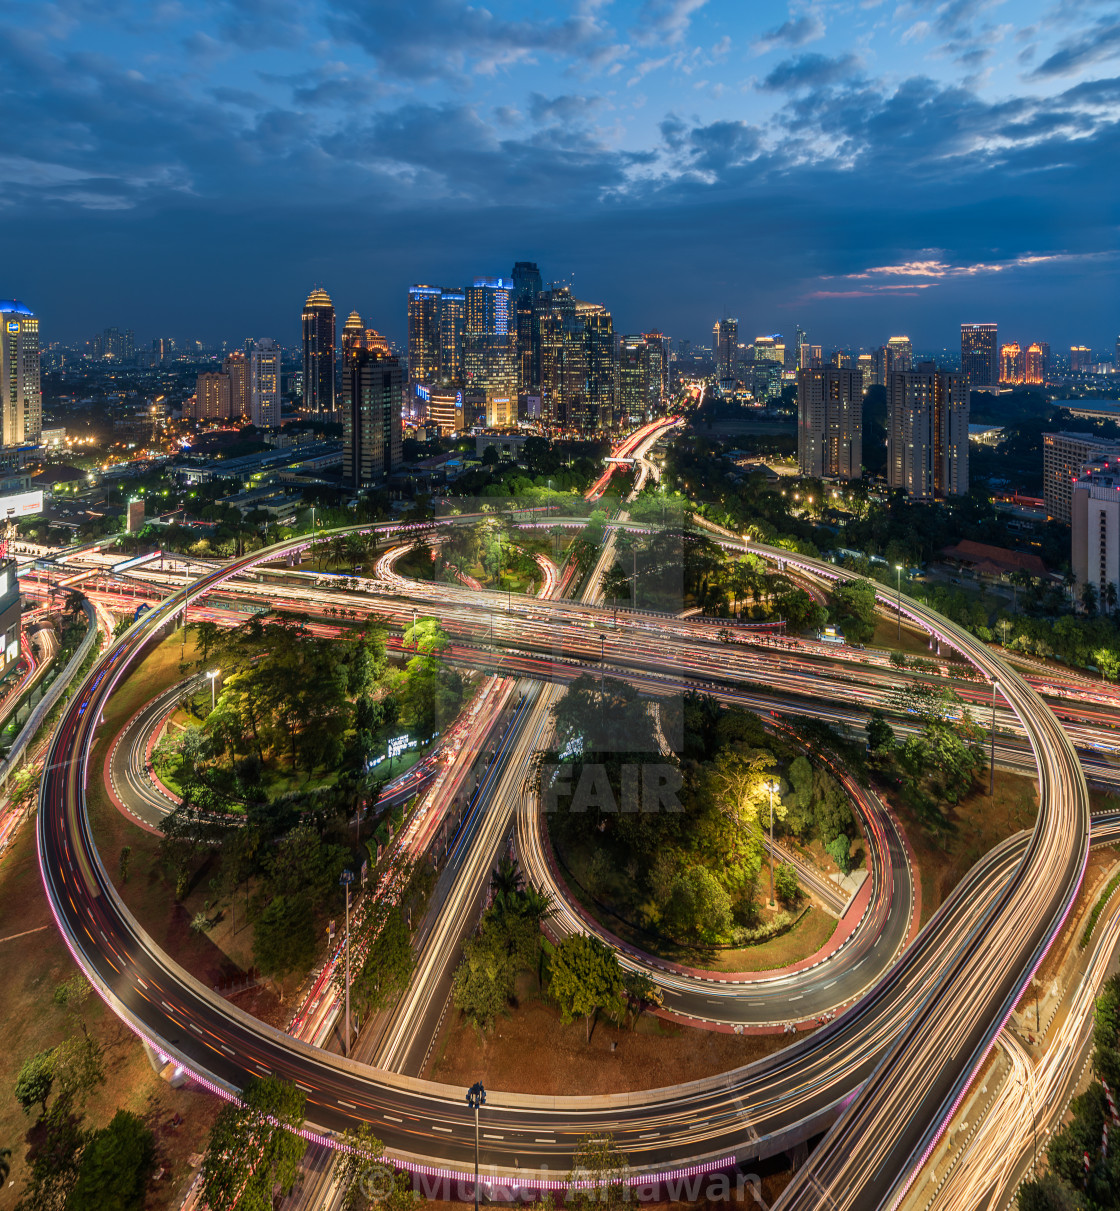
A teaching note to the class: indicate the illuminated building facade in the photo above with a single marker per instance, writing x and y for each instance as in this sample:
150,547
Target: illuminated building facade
423,333
979,355
452,327
927,432
489,352
725,344
318,354
371,418
236,366
11,615
1063,456
211,397
1034,364
1080,359
658,367
20,391
633,379
830,423
902,353
1012,367
264,383
1095,531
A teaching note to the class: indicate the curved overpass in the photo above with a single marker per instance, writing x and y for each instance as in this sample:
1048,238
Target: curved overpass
963,973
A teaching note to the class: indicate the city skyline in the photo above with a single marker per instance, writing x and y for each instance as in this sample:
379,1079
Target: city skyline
685,159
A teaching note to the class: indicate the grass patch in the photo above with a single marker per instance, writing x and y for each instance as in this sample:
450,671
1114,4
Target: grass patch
1098,908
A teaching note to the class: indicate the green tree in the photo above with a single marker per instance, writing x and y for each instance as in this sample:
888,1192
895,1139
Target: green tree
284,939
35,1081
115,1166
388,965
697,906
852,608
366,1179
599,1175
585,977
839,850
786,884
254,1147
880,734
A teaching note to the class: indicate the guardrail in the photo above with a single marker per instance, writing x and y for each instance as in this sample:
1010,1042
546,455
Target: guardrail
51,698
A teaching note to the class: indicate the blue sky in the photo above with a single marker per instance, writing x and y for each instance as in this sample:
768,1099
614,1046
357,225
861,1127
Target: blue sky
860,167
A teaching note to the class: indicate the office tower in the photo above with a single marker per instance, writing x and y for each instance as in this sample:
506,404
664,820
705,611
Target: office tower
163,348
866,366
1063,456
353,335
1080,359
830,423
903,352
129,347
927,432
236,366
1012,367
112,345
1034,365
489,352
725,345
765,379
20,394
979,355
264,384
800,340
839,359
1046,363
633,379
563,360
423,333
318,354
211,397
769,349
452,326
1095,529
658,367
371,417
526,279
602,375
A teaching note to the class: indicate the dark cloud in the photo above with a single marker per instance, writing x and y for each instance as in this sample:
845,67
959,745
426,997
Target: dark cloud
1101,41
794,32
810,71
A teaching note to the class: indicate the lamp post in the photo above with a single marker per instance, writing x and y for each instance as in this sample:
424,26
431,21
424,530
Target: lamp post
898,571
476,1097
992,761
213,675
770,788
346,878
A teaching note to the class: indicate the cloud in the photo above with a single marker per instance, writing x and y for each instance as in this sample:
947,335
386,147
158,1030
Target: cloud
810,70
664,21
1099,42
567,108
797,31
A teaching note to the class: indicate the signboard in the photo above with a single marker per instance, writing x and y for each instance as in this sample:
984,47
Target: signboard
22,504
398,745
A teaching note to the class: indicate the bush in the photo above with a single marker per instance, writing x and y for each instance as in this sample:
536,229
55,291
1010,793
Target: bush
786,884
839,850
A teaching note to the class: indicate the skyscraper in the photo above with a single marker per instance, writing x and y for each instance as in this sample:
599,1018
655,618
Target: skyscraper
602,377
1012,367
979,355
725,345
866,365
830,423
633,379
371,419
353,335
211,397
318,353
489,364
527,286
1034,364
770,349
658,367
1080,359
423,333
112,344
526,279
927,432
20,394
452,326
236,365
903,351
264,383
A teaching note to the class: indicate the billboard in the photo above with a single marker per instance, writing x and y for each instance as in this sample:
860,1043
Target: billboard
21,504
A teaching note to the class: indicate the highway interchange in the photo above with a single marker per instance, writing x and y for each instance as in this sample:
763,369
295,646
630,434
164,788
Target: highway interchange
894,1063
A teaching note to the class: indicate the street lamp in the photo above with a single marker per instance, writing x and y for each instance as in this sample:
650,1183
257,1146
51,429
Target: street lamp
992,762
898,570
476,1096
346,878
213,675
771,787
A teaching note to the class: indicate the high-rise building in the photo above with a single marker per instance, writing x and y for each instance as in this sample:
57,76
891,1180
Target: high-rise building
211,397
830,423
658,367
1012,367
840,359
1034,365
129,349
633,379
11,615
371,417
452,326
264,383
423,333
1080,359
236,366
112,344
903,352
526,278
800,340
20,392
353,335
602,376
1095,529
927,432
725,344
770,349
489,352
1046,363
979,355
866,365
318,353
1063,456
